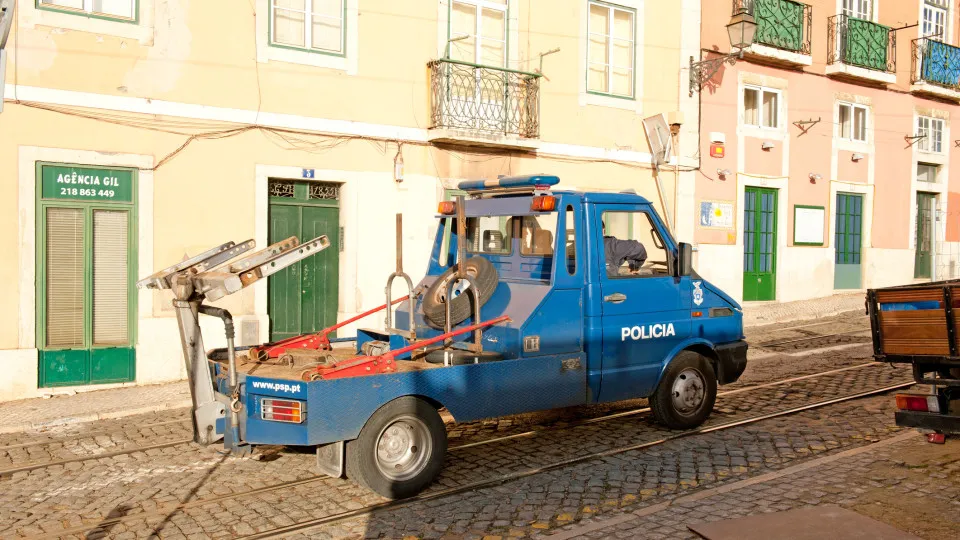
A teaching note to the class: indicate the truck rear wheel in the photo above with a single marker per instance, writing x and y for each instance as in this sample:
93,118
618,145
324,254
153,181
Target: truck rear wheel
686,393
400,449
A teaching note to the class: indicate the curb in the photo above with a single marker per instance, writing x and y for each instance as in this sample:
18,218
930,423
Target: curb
93,417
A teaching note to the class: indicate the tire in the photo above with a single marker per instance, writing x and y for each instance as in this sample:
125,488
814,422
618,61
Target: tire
434,308
459,357
686,393
411,456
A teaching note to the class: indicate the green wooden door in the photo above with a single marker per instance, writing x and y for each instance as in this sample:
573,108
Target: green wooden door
759,244
303,297
848,241
87,264
922,263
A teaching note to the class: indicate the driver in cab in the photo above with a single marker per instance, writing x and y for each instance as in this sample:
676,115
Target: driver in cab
619,251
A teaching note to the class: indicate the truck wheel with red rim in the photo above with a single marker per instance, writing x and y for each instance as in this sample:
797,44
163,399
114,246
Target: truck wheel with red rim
400,449
686,393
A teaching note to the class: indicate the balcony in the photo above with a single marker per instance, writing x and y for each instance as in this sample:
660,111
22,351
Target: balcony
478,105
783,30
935,69
861,50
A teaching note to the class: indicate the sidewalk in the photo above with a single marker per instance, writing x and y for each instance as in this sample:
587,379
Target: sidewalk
38,413
30,414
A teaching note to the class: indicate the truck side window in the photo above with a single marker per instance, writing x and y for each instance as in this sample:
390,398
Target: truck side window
632,246
571,241
537,234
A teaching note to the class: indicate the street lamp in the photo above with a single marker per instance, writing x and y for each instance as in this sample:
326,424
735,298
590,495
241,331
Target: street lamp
741,30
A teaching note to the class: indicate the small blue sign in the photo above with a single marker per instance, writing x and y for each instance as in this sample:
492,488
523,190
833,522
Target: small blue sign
308,173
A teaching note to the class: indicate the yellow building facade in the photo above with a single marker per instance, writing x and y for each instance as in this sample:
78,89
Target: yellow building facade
135,132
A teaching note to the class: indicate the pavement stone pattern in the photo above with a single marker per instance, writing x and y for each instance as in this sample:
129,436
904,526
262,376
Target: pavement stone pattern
765,313
86,493
29,414
536,505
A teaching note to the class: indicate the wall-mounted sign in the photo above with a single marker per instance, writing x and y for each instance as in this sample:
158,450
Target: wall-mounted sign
86,184
308,173
808,225
716,214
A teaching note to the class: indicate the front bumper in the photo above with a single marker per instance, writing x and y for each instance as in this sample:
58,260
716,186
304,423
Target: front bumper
944,423
731,361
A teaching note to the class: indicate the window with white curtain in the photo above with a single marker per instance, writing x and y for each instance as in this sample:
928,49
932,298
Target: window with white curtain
611,56
478,32
853,122
119,9
313,25
761,107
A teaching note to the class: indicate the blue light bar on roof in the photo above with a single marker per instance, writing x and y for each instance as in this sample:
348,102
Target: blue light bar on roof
534,181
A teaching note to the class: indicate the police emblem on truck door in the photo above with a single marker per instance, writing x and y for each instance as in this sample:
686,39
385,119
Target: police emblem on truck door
697,293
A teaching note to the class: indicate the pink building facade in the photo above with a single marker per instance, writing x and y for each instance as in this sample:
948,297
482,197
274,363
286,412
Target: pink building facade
827,156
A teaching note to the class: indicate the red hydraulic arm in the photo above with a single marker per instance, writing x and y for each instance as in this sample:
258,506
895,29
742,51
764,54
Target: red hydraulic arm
385,363
317,341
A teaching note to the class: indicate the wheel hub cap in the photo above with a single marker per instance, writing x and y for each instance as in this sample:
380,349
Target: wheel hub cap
403,448
689,390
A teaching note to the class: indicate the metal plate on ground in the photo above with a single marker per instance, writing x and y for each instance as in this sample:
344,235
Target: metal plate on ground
814,523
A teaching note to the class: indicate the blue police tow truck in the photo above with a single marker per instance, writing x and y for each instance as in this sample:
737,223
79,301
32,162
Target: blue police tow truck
521,310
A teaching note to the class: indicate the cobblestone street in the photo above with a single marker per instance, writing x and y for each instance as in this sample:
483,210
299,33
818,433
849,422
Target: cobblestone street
783,437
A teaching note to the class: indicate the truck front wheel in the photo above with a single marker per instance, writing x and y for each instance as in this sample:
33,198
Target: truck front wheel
400,449
686,393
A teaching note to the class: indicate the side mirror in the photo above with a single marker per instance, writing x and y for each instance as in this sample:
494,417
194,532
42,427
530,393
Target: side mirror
684,259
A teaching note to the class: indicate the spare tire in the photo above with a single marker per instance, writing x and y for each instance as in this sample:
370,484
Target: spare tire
434,307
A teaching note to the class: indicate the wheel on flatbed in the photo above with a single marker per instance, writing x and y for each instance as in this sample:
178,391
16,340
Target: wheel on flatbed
400,449
434,308
686,393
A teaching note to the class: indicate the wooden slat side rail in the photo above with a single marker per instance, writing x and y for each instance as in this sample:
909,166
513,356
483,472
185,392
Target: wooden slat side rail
910,295
915,332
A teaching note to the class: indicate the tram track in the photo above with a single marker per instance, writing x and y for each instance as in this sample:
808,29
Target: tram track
308,525
163,512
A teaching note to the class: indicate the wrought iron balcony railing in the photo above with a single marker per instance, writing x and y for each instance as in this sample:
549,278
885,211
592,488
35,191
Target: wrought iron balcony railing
861,43
783,24
936,63
485,99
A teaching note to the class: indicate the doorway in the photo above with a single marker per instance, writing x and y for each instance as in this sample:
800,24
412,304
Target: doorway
848,241
759,244
303,297
923,259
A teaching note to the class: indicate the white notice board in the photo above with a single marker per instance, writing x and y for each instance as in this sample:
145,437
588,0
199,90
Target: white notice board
808,225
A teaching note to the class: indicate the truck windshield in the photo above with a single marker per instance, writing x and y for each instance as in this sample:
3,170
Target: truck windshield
493,235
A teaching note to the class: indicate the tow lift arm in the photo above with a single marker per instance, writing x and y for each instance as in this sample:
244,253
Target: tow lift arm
210,276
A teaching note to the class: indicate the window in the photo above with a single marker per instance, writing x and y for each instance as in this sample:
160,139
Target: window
934,19
489,234
853,122
478,32
931,129
571,240
860,9
536,235
632,246
114,9
927,172
315,25
610,50
761,107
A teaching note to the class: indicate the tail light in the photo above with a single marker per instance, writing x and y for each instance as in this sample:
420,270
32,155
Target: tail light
544,203
447,208
282,410
915,402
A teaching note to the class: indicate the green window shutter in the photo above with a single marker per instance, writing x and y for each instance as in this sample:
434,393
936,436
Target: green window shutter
65,277
110,280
